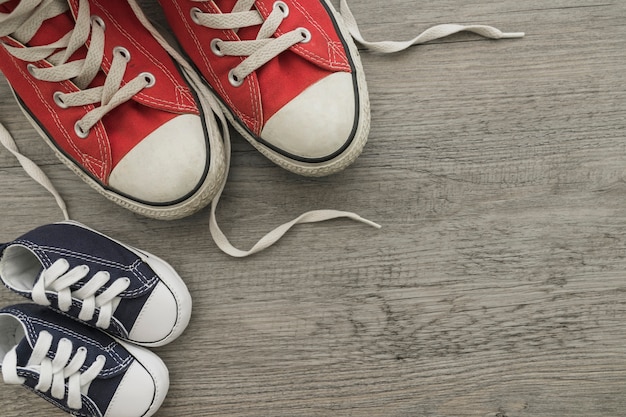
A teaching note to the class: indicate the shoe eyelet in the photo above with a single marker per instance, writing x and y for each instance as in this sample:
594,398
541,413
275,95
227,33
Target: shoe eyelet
282,6
120,50
79,131
215,48
98,21
233,79
306,35
149,77
195,12
58,100
31,69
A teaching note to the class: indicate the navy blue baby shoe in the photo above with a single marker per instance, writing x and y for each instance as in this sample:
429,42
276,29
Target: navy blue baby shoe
71,268
78,368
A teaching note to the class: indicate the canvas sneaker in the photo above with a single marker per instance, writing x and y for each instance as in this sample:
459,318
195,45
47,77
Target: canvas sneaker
114,104
79,369
91,277
287,74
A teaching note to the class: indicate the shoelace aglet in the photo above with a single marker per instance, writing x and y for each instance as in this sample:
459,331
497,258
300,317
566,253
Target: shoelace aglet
367,222
512,35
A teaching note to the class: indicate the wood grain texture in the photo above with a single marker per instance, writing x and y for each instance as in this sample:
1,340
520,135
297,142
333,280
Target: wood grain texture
496,287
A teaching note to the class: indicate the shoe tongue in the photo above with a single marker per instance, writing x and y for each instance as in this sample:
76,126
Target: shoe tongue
8,6
226,6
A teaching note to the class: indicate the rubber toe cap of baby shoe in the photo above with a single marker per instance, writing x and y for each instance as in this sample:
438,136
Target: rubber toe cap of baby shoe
158,318
135,394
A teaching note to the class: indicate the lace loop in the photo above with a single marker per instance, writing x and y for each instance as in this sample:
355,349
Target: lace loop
58,279
259,51
53,373
82,72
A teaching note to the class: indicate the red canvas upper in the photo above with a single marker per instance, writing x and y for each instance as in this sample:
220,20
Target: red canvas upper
121,129
276,83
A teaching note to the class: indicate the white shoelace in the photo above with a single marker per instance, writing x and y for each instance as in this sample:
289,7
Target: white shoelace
266,46
257,53
430,34
55,374
58,278
24,22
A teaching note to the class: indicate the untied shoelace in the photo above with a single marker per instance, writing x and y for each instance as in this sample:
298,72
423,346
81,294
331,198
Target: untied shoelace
270,48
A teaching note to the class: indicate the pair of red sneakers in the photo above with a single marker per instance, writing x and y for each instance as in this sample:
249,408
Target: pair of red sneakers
144,124
130,116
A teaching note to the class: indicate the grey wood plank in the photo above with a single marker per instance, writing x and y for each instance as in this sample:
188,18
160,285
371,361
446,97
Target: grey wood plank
496,285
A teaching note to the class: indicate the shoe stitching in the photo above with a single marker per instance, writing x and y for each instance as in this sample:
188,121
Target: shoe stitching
102,140
330,44
130,269
79,255
92,409
140,275
117,327
255,121
121,362
61,127
24,319
29,322
154,61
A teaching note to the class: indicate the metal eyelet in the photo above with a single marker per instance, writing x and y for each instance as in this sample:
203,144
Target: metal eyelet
123,52
194,12
58,100
149,77
233,80
31,69
306,35
98,21
79,131
284,9
215,48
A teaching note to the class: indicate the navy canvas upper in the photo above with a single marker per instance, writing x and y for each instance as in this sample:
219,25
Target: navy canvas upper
81,246
36,319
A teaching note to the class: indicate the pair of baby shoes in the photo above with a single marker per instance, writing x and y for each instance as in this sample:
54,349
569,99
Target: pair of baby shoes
98,305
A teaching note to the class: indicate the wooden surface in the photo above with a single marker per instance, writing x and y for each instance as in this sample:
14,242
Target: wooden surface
497,285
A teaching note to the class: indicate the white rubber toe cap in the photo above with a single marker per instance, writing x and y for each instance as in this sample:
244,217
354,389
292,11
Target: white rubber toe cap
135,394
317,123
158,317
167,165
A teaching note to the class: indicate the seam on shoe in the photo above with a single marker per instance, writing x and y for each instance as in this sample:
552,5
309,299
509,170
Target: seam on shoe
30,321
104,164
329,43
147,283
256,121
150,57
260,143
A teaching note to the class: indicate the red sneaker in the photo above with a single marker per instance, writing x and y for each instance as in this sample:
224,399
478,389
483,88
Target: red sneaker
287,73
113,103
